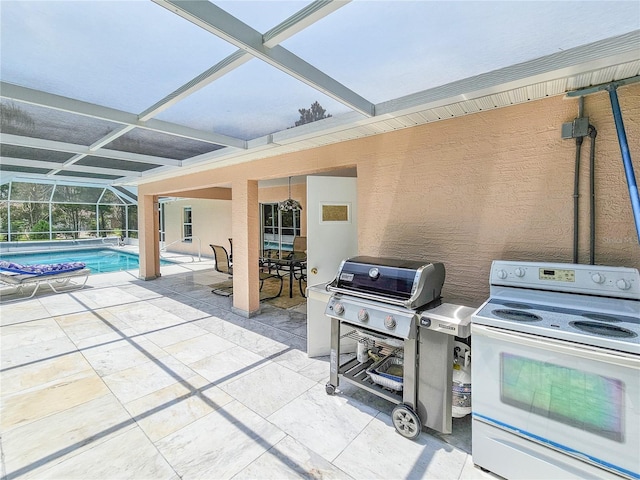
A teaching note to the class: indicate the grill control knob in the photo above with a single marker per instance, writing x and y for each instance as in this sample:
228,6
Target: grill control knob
338,308
597,278
502,274
623,284
520,272
363,315
390,322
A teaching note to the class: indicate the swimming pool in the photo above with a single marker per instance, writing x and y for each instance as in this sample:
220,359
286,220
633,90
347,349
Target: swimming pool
99,260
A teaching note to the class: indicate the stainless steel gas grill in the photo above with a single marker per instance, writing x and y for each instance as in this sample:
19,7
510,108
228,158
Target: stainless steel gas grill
392,310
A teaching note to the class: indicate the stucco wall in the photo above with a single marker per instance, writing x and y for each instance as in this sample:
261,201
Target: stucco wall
212,218
211,224
498,185
466,191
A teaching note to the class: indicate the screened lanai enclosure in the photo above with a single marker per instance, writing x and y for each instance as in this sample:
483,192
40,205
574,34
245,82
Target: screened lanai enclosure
31,211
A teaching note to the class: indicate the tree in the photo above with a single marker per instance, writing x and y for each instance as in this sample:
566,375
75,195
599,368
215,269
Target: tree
316,112
43,227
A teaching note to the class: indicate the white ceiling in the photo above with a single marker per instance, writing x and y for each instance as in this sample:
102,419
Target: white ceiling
125,92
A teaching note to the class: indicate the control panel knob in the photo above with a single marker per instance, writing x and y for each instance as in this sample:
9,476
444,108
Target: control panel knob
520,272
623,284
390,322
597,278
363,315
338,308
502,274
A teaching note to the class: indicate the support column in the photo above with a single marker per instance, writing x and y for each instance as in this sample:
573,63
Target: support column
149,237
246,234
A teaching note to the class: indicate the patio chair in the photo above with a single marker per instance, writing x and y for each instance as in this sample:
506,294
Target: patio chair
300,267
222,265
57,276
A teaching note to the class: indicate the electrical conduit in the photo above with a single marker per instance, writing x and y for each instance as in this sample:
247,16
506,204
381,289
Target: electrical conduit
626,157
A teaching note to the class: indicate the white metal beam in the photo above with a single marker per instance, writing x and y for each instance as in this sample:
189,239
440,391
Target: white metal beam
300,20
217,21
21,162
21,141
60,179
44,99
297,22
233,61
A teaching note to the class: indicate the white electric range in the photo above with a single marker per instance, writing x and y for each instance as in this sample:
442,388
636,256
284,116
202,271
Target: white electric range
556,372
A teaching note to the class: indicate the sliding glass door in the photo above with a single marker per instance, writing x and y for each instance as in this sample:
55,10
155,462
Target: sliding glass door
278,229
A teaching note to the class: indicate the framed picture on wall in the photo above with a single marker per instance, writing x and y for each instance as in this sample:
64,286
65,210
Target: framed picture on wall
331,212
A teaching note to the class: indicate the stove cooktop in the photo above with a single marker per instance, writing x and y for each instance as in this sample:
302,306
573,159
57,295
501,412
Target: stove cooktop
620,332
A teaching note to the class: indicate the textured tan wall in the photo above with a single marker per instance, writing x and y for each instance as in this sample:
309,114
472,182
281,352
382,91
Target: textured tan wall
466,191
211,224
498,185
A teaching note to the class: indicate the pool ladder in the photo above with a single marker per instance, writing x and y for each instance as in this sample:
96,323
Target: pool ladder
182,240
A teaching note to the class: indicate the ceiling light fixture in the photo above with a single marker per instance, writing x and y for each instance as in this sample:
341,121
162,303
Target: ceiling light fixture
289,204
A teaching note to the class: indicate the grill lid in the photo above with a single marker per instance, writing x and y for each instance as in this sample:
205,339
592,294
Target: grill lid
408,283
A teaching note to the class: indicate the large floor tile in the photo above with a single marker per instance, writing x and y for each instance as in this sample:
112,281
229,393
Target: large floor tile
196,348
324,423
79,326
113,357
221,444
21,311
42,373
176,406
129,455
289,459
11,358
398,457
229,365
144,317
63,304
207,393
268,389
175,334
178,305
48,441
25,407
28,333
146,378
106,296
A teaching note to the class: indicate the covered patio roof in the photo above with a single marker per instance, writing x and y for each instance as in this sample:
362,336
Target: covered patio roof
125,92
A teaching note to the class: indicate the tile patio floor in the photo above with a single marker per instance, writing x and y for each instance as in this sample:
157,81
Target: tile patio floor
160,380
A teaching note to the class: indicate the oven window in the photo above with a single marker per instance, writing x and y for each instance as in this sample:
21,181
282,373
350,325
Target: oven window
581,399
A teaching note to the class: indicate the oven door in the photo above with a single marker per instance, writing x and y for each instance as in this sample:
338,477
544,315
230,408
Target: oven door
579,400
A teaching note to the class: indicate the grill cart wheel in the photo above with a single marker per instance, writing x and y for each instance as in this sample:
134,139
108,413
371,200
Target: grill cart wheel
330,389
406,421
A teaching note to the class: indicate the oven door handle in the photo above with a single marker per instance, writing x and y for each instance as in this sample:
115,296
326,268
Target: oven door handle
622,359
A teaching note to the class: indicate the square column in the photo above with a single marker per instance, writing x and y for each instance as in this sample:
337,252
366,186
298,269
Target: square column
149,237
245,225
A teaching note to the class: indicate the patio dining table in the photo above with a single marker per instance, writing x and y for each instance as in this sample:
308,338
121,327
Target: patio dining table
286,261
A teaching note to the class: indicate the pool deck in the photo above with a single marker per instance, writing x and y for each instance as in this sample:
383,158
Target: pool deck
161,380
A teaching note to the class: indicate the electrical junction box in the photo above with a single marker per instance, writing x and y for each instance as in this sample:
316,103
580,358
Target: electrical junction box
578,128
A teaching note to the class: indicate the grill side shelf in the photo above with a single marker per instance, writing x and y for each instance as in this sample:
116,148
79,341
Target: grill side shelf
354,372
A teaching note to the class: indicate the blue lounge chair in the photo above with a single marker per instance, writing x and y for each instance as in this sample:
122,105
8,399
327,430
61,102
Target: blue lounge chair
57,276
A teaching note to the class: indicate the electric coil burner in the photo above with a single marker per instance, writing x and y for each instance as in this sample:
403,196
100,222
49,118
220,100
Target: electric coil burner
394,307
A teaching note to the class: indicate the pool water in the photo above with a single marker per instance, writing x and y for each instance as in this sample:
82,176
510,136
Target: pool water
102,260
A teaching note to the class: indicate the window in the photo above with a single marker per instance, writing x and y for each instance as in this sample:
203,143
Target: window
187,225
278,228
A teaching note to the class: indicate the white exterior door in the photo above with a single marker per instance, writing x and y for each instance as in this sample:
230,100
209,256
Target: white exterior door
332,236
